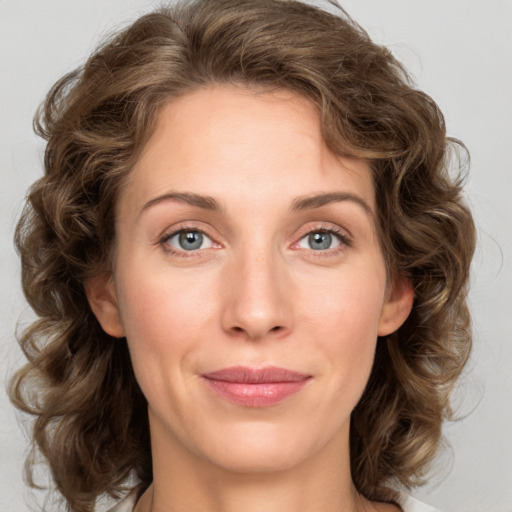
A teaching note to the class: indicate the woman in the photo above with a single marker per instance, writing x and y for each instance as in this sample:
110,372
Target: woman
250,266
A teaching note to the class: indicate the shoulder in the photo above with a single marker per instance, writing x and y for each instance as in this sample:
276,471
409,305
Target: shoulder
410,504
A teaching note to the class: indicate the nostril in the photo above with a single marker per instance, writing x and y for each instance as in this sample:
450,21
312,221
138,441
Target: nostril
237,328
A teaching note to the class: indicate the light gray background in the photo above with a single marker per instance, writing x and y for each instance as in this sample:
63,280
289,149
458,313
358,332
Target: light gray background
460,52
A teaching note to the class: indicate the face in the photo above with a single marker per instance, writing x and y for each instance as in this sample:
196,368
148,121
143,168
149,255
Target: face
248,280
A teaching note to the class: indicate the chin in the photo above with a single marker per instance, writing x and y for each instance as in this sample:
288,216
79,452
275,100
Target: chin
260,448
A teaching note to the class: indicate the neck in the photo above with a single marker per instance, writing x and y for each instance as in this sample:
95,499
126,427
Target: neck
184,482
290,491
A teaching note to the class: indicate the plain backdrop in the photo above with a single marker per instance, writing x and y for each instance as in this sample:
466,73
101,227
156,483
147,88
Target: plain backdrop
460,52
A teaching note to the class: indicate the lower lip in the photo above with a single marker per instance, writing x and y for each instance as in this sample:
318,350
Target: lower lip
261,394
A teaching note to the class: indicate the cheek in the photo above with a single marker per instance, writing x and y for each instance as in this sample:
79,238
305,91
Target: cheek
162,317
349,300
344,321
164,304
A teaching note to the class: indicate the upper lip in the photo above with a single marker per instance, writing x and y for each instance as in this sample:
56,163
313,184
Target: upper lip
244,374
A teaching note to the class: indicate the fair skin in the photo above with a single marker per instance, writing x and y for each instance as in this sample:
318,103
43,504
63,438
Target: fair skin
255,275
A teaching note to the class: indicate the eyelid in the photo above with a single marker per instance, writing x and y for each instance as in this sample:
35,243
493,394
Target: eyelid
204,237
344,237
341,234
184,227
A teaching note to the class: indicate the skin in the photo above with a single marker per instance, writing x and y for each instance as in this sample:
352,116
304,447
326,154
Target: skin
256,293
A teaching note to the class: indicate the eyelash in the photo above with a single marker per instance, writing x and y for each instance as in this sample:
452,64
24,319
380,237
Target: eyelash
163,242
344,240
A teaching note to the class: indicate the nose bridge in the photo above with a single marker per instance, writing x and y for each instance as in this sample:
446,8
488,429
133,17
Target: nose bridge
257,303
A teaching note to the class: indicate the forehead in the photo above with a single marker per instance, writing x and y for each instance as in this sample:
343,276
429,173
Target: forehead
227,141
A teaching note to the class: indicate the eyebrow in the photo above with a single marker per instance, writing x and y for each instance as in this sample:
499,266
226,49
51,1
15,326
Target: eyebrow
300,203
318,200
205,202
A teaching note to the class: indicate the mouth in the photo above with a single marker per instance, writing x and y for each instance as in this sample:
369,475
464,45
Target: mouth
255,387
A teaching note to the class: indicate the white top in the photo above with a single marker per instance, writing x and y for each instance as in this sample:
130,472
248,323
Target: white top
410,504
407,503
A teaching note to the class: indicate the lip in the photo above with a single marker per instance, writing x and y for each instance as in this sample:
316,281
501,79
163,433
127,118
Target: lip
255,387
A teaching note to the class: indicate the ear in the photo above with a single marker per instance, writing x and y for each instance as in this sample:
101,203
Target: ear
398,305
102,297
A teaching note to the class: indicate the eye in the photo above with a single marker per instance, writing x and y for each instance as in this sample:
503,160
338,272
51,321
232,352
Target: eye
322,240
188,240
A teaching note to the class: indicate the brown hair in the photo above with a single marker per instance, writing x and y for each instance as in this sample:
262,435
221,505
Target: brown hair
90,415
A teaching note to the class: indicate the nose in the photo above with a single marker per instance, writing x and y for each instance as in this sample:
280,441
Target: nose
257,297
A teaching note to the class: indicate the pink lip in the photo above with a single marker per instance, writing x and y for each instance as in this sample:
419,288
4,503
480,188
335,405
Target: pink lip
255,387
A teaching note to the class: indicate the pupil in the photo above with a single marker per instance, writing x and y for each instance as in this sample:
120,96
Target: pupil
319,241
191,240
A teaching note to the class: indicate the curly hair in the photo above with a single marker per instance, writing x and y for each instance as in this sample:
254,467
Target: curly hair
91,421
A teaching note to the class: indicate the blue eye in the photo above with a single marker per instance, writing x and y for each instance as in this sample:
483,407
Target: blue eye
189,240
320,241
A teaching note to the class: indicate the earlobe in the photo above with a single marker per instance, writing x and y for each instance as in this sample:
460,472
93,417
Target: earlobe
102,298
397,307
